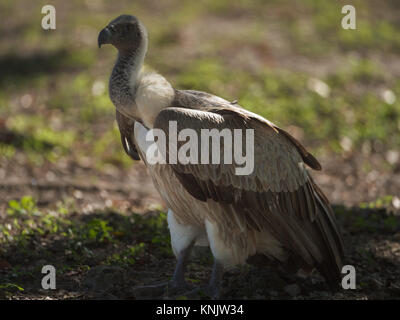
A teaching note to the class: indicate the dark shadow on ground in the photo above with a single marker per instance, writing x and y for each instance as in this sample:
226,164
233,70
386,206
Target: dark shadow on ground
106,254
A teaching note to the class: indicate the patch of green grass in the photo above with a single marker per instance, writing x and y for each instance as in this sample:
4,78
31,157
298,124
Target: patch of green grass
97,230
7,151
39,135
382,202
35,136
59,236
204,75
159,236
369,218
9,289
28,222
380,35
128,256
108,149
83,99
26,206
291,98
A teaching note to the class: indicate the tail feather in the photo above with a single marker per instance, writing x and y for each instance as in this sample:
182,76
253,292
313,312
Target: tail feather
331,267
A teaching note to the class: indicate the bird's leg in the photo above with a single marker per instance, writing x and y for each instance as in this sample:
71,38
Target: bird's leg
213,289
178,281
176,284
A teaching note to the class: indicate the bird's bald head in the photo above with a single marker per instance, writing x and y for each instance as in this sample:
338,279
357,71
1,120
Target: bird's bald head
126,33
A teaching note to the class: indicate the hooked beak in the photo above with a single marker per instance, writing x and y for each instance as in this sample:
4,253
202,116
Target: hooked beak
104,37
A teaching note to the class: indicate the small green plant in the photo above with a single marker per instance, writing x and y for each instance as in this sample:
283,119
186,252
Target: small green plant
99,230
7,290
128,256
25,207
10,286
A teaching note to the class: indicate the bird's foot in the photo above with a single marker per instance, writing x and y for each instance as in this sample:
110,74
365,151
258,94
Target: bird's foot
168,288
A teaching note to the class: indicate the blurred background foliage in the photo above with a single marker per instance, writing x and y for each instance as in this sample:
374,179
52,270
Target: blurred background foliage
334,89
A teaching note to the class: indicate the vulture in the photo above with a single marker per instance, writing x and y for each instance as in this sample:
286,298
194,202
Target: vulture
274,215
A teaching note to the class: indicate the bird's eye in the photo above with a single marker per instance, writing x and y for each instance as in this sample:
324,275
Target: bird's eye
112,28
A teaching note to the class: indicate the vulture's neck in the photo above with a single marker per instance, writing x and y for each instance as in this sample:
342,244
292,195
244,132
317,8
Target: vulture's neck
124,80
138,95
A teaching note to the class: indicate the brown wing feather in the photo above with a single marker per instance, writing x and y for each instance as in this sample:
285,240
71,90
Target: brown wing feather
307,157
208,102
285,202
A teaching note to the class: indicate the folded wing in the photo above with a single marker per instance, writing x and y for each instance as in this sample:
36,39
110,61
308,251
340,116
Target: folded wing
279,195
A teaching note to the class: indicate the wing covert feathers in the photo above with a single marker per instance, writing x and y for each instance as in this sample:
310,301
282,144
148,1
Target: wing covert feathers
279,196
